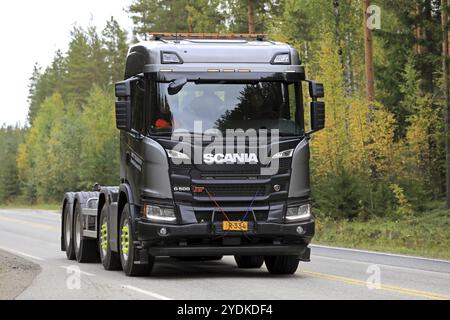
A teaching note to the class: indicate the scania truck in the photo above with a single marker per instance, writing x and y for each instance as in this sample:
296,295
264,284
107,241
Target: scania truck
214,158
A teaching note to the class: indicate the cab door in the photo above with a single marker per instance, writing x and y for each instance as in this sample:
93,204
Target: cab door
134,149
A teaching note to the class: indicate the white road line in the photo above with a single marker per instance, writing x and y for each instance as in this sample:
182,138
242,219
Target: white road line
82,272
380,264
380,253
148,293
19,253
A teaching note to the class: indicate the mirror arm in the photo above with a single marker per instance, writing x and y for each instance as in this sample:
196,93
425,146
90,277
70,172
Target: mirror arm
137,135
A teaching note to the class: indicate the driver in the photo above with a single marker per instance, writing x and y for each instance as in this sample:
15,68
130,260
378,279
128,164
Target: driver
164,118
207,104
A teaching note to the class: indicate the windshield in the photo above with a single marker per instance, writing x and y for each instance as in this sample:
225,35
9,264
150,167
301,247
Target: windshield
262,105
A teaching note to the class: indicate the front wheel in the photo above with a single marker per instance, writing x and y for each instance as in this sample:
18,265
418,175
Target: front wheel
129,257
281,264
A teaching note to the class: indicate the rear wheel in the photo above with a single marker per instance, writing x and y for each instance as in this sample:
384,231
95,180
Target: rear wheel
129,256
282,264
68,233
85,249
110,259
249,262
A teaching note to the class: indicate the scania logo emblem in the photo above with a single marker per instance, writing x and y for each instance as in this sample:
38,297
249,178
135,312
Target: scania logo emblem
230,158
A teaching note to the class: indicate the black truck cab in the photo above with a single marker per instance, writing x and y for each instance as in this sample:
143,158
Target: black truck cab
214,159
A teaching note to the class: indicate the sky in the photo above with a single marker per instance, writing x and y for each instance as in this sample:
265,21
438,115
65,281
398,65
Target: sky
31,31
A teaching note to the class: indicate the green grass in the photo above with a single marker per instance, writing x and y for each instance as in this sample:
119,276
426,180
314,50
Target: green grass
40,206
425,234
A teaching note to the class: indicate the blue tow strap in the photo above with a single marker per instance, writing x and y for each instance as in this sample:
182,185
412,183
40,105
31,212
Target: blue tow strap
251,205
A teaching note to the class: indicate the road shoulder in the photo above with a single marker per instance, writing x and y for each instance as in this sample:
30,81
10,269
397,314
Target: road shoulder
16,274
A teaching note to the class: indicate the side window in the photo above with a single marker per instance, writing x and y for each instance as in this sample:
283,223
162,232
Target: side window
296,106
138,106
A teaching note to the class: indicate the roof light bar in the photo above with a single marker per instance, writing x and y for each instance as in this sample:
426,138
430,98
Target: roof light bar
223,36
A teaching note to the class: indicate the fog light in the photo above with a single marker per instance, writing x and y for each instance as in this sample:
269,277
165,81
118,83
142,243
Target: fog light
300,230
163,232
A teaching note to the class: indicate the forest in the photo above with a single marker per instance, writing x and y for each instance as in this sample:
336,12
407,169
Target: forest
384,153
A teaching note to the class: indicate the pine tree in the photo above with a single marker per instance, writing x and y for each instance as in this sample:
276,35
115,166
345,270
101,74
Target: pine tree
116,47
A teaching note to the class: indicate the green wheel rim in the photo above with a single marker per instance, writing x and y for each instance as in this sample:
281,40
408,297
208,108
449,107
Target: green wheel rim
125,240
104,237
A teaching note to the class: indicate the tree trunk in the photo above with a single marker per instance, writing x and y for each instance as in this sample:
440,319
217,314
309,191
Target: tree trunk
190,26
420,32
368,46
445,70
251,17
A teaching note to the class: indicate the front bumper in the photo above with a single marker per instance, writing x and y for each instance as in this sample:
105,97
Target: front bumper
208,239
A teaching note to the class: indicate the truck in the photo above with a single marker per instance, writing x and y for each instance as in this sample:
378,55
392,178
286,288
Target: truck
184,191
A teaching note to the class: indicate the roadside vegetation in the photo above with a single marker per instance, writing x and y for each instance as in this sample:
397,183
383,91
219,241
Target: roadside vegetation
424,234
379,167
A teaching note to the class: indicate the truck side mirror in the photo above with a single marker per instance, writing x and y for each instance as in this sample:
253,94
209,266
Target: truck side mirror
317,115
123,105
316,90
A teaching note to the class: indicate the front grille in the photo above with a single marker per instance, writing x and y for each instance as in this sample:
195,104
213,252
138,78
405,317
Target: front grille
206,216
234,173
234,190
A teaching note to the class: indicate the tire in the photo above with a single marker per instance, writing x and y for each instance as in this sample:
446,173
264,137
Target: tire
68,233
127,252
282,265
249,262
86,250
109,259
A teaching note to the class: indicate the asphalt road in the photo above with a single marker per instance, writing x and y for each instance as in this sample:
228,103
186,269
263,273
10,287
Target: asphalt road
334,273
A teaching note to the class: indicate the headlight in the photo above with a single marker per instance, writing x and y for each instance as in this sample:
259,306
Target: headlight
282,58
159,214
299,213
177,155
283,154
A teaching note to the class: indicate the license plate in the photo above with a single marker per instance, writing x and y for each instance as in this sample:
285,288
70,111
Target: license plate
235,226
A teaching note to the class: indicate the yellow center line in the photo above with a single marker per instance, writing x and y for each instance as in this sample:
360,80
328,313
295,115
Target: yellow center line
33,224
411,292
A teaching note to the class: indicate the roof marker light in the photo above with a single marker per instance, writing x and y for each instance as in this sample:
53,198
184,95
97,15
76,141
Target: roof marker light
170,58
